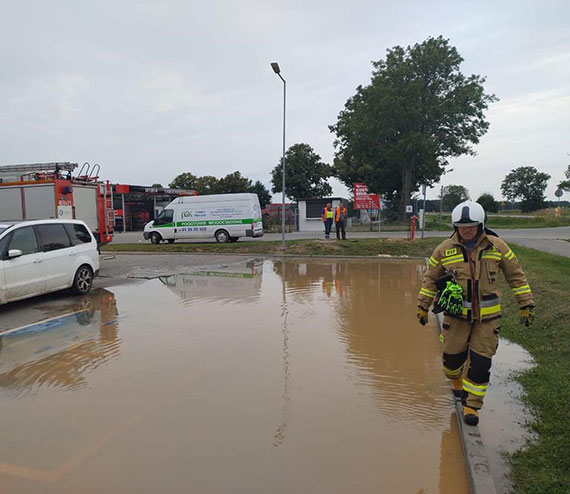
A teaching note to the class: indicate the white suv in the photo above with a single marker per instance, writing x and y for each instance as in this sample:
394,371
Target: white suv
43,256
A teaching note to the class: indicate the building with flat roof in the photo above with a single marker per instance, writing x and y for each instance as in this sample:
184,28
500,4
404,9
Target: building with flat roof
136,205
310,219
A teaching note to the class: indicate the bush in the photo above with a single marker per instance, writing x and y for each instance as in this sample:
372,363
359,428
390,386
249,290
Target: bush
488,202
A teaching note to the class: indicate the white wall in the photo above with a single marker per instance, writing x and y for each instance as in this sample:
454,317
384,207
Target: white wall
313,224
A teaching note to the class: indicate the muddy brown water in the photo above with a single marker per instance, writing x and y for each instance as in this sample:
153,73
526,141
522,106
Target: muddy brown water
263,377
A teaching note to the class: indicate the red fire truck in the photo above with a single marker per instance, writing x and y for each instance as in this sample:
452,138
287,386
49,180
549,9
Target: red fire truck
49,190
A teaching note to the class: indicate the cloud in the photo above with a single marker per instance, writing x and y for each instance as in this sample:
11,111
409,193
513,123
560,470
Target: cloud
151,89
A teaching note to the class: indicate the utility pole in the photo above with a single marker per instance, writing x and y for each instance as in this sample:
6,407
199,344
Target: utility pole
440,206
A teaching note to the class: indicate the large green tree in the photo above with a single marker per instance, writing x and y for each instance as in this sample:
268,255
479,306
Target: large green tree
565,184
419,111
305,174
208,184
234,183
528,184
185,181
453,195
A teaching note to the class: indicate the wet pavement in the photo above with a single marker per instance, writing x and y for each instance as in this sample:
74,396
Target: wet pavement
258,376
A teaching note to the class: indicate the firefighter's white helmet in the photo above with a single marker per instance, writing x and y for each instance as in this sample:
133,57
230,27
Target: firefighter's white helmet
468,213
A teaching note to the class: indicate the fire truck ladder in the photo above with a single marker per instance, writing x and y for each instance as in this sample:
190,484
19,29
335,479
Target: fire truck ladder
20,171
88,173
109,209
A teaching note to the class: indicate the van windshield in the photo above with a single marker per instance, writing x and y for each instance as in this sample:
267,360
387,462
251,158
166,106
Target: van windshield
164,217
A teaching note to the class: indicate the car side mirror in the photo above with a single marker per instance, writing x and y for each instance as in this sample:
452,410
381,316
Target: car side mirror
13,253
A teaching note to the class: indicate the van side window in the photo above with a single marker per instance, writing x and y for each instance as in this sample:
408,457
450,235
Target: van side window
53,237
165,217
24,239
78,233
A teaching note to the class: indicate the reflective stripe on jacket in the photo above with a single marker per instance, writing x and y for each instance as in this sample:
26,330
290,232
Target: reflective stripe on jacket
481,294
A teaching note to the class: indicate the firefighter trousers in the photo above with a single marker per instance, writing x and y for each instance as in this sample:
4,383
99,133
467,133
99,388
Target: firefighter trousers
473,343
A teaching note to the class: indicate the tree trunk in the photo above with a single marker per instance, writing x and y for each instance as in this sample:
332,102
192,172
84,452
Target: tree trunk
407,171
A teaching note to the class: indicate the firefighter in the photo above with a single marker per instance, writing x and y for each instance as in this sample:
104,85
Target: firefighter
463,278
327,216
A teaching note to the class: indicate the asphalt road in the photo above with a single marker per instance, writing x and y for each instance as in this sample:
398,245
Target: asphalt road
546,239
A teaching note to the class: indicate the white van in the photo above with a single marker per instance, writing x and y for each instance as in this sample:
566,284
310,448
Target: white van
225,217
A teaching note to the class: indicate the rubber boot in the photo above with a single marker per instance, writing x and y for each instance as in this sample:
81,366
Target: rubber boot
457,387
470,416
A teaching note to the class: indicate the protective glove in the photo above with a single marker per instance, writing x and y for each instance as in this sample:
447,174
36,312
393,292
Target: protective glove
451,299
527,315
422,315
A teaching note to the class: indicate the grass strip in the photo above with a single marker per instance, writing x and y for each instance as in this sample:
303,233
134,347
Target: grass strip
503,222
544,467
349,247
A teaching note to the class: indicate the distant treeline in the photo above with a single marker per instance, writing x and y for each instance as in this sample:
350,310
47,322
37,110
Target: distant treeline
433,205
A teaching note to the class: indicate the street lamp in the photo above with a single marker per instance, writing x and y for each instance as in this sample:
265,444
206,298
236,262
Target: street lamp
277,70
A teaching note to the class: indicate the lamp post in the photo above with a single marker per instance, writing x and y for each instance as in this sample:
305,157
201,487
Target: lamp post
277,70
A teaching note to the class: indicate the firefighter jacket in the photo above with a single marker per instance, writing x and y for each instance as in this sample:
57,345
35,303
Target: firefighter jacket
478,274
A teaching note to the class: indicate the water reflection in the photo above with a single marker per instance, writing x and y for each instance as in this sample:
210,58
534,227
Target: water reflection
373,305
451,463
57,353
295,377
236,283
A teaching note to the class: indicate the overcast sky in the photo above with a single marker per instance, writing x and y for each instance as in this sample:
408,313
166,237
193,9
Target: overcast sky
151,89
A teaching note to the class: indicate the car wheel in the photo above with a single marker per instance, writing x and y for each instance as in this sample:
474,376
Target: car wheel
170,240
83,280
234,239
222,236
155,238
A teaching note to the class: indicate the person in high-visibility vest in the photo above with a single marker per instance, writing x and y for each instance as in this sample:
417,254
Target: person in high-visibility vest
340,220
327,216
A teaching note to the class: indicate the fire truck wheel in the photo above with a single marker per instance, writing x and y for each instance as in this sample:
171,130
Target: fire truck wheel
170,240
83,280
222,236
155,238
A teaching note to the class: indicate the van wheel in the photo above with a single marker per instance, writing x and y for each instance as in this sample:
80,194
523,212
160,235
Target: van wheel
170,240
155,238
222,236
83,280
234,239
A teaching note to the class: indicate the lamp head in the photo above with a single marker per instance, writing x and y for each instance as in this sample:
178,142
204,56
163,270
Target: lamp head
275,67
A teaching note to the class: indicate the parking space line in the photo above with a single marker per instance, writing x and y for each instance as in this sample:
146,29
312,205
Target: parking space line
28,327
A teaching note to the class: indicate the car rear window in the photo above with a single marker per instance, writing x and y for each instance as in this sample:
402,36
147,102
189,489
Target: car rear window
53,237
78,233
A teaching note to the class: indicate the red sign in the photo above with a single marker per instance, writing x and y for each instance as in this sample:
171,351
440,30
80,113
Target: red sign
364,200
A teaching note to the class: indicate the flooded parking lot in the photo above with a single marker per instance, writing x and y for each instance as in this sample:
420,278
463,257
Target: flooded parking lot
265,376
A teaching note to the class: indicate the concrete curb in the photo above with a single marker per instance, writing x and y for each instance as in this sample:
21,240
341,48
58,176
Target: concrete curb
268,256
476,460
